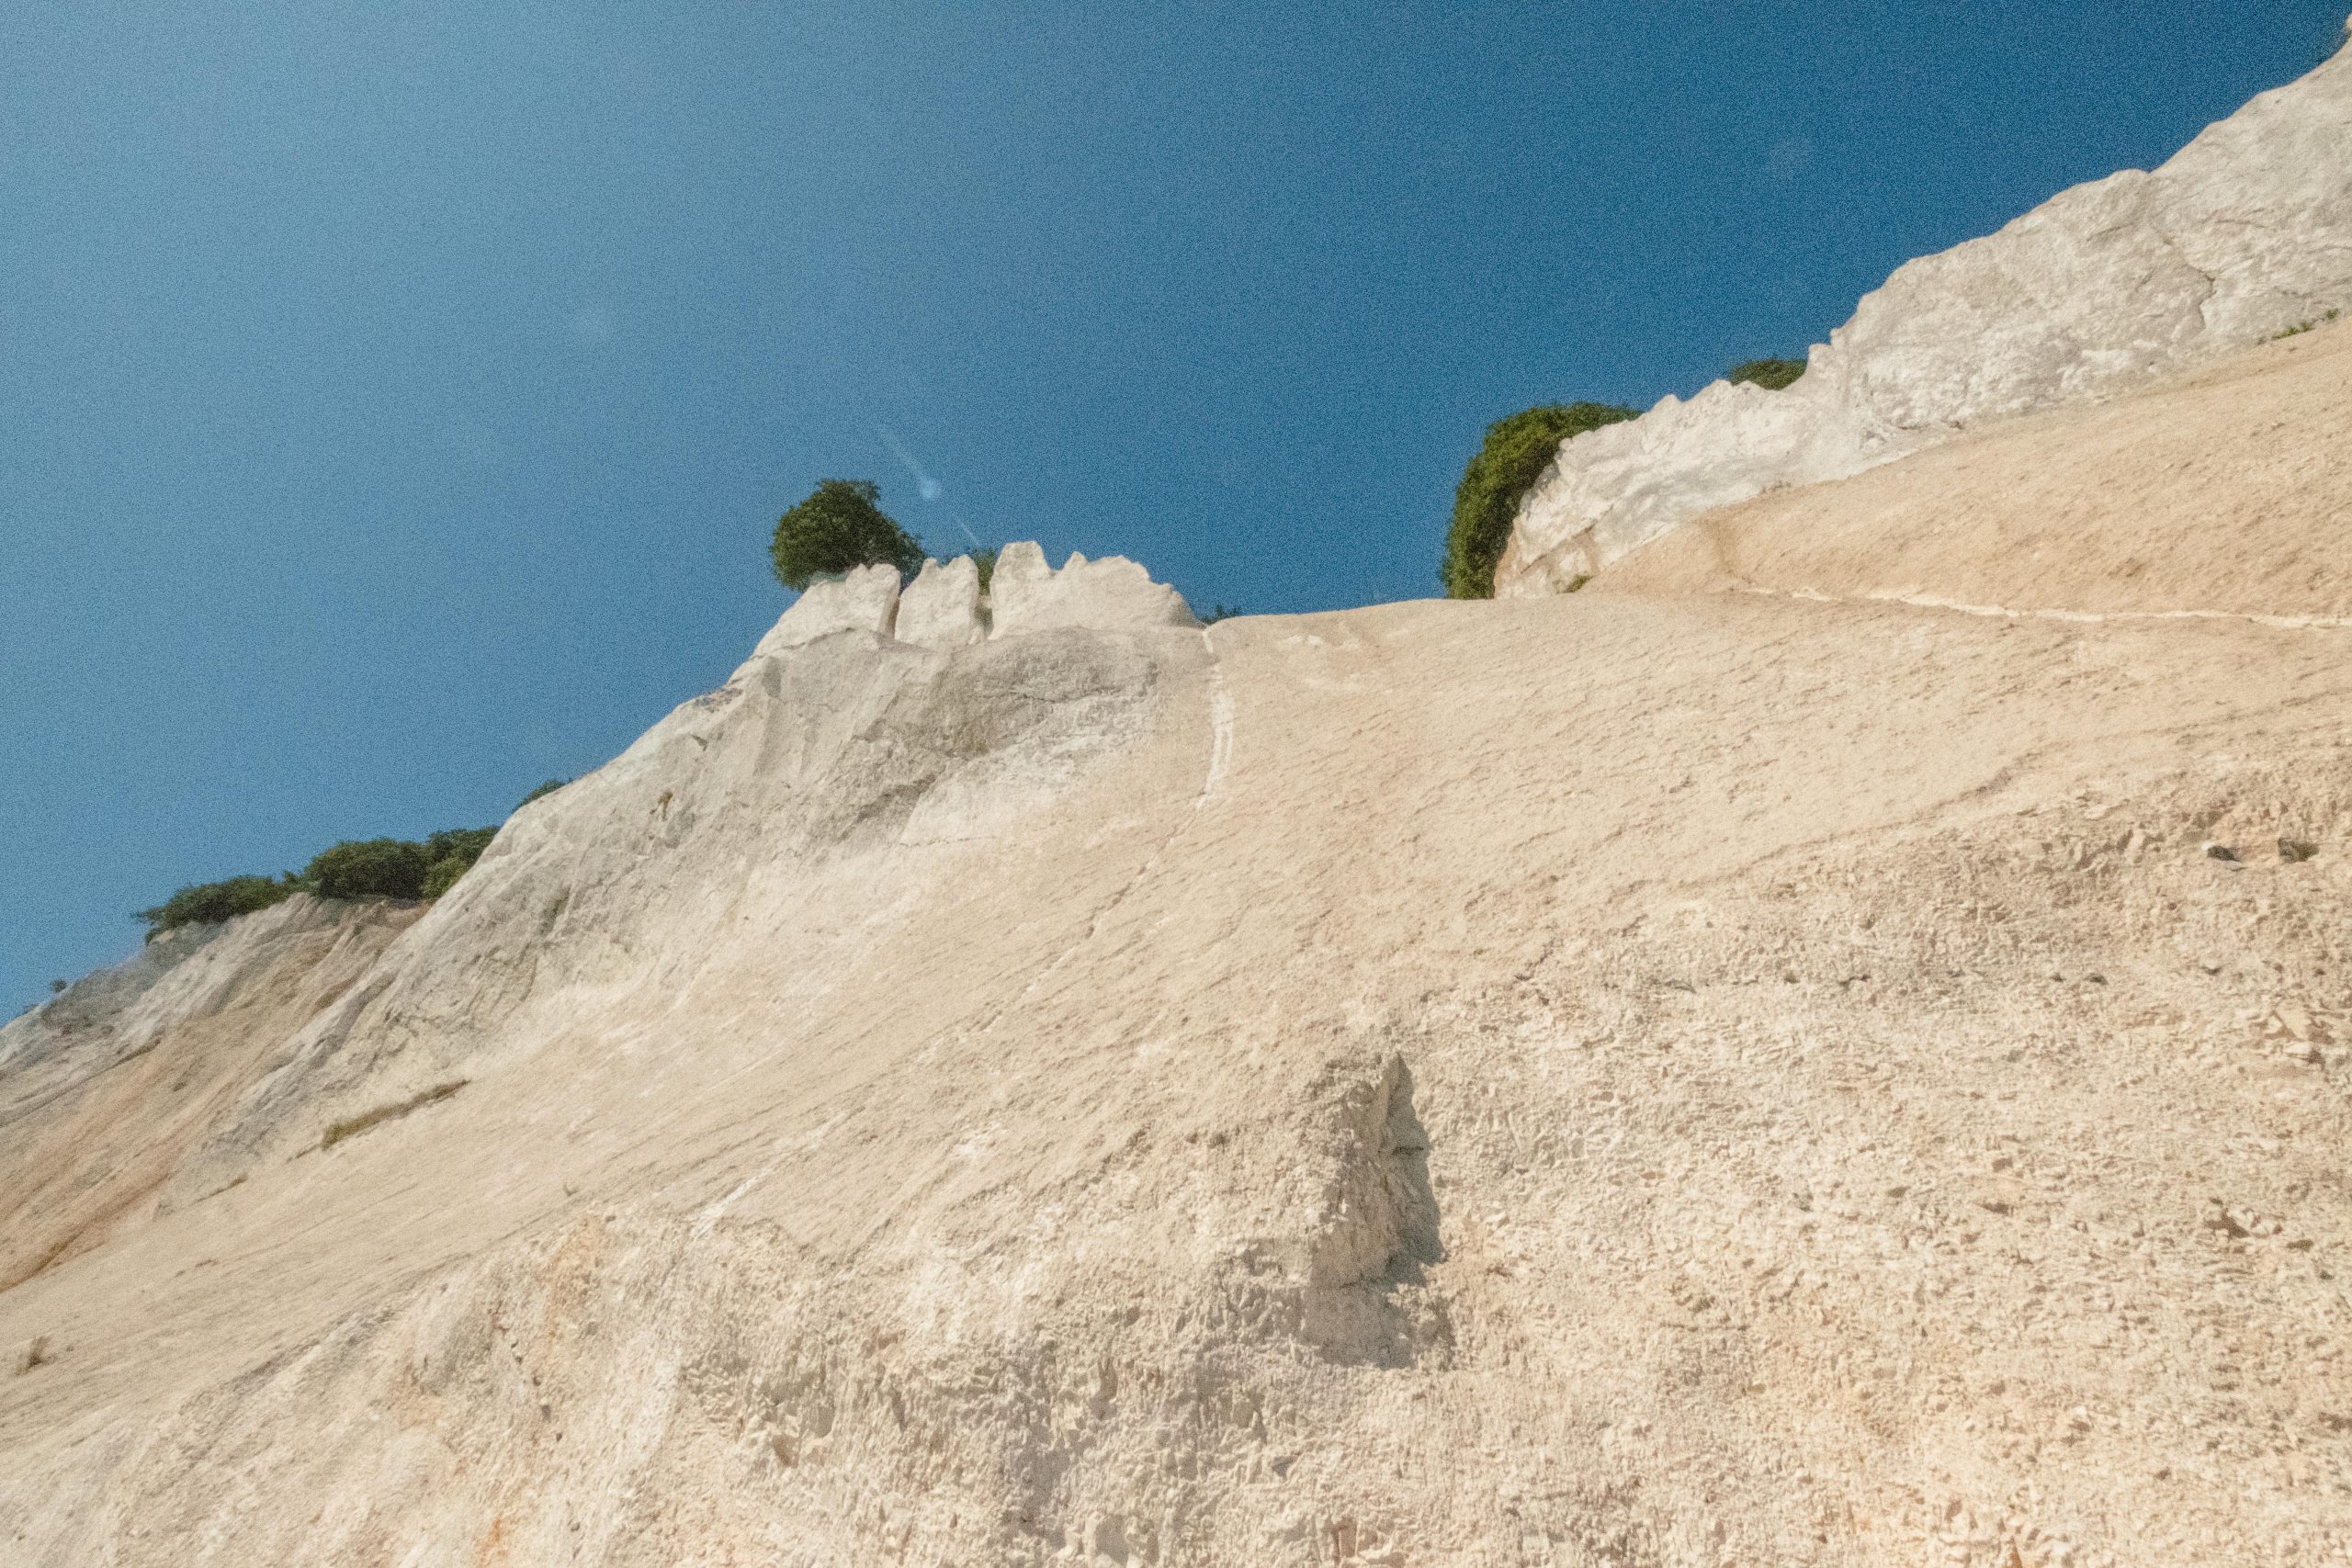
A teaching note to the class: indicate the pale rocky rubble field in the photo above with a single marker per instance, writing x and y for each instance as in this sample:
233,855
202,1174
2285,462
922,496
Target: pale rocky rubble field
1745,1065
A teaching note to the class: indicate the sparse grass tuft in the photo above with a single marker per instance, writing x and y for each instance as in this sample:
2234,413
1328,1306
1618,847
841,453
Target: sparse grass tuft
2299,327
351,1127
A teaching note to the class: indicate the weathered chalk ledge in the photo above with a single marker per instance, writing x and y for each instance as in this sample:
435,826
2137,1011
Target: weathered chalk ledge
945,608
2245,234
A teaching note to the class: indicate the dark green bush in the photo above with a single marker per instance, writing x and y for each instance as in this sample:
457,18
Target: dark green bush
442,876
397,868
545,789
463,843
390,868
363,868
209,903
450,854
838,527
1772,375
1516,452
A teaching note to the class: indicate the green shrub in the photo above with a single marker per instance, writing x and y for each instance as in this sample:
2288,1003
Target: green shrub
840,527
397,868
545,789
1772,375
390,868
463,843
449,855
209,903
1516,452
362,868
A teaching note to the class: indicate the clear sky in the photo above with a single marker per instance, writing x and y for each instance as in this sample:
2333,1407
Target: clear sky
396,397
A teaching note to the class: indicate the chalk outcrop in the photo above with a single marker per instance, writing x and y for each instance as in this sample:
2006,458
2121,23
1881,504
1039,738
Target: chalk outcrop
1111,593
866,600
2246,233
942,608
2112,508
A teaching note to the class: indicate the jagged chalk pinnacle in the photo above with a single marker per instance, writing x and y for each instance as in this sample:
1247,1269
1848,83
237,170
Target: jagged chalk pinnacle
942,607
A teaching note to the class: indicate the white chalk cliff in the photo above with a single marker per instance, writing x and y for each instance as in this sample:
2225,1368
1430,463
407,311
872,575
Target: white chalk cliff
944,606
1829,1048
2244,235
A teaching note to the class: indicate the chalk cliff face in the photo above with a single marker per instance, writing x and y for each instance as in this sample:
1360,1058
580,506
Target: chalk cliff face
804,806
1669,1077
2071,512
2246,233
107,1091
1828,1048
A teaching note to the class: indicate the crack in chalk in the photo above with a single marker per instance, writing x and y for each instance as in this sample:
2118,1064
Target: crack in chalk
1931,601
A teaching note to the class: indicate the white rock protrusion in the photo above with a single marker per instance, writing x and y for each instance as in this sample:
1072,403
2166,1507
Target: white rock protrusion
1111,595
941,608
866,600
2246,233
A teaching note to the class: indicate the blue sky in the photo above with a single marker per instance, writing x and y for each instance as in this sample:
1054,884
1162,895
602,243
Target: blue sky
395,398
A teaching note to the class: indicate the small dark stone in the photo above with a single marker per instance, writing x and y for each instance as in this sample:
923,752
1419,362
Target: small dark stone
2221,852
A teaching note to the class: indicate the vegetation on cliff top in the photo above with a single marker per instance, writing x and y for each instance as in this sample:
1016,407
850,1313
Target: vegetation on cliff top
1513,456
1516,452
1772,375
355,868
841,526
209,903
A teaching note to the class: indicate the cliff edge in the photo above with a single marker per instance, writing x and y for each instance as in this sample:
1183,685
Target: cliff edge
2245,234
1662,1076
